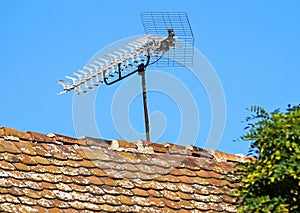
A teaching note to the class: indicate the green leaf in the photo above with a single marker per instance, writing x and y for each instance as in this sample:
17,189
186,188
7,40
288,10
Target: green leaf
272,182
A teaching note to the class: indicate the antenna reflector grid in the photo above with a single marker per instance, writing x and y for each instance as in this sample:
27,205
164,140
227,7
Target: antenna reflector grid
158,24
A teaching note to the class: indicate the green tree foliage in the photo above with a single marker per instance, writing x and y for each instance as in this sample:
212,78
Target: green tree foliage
271,183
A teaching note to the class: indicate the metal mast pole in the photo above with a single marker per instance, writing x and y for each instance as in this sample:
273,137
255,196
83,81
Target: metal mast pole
142,72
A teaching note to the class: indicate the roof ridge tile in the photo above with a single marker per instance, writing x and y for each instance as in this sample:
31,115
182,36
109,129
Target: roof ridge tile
141,146
15,135
5,131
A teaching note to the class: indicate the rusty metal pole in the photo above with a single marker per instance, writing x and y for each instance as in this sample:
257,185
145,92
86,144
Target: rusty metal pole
142,72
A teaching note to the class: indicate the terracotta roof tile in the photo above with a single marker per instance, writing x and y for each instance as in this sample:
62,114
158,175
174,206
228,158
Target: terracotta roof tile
169,186
13,158
156,202
6,166
26,147
185,196
170,195
171,204
130,175
223,157
80,188
55,151
32,193
185,179
155,193
45,203
108,181
22,167
185,188
61,204
184,204
1,148
157,147
41,137
27,200
141,201
126,200
40,150
5,131
167,178
55,173
27,159
15,182
149,185
48,194
9,147
68,140
124,183
140,192
98,172
15,191
96,141
177,172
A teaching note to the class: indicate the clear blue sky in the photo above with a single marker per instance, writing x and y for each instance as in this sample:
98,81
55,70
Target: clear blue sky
253,45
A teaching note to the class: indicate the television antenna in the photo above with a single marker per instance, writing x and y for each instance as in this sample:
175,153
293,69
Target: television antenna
168,39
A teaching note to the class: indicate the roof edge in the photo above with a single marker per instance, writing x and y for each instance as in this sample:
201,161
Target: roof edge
15,135
141,146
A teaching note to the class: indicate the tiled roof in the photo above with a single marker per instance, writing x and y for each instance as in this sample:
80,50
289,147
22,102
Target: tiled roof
55,173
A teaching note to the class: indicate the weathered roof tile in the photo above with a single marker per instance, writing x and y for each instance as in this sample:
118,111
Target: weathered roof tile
185,179
183,195
26,147
126,200
155,193
10,147
22,167
110,199
156,202
61,204
14,182
141,201
1,148
185,188
33,185
94,180
55,151
27,200
169,186
124,183
80,188
184,204
167,178
48,194
41,137
15,191
27,159
32,193
149,185
9,157
140,192
5,131
108,181
6,166
171,204
40,150
68,140
98,172
170,195
45,203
